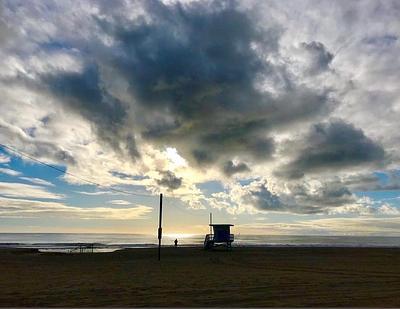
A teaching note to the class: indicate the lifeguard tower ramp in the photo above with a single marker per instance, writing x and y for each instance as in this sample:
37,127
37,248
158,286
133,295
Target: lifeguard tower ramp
221,236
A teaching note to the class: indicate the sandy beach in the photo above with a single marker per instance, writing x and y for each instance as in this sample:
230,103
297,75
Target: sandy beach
244,277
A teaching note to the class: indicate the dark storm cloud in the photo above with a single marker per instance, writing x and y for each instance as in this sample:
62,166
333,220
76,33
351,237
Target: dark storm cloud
48,150
237,139
263,199
230,168
202,156
169,180
193,76
193,59
320,58
388,180
83,93
197,63
197,67
337,145
300,198
328,195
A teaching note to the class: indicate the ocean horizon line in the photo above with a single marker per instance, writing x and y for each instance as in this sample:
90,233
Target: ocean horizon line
117,241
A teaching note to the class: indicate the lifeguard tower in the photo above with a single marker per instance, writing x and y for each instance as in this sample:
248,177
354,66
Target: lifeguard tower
221,236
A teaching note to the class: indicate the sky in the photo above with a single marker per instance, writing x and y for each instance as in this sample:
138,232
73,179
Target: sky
280,117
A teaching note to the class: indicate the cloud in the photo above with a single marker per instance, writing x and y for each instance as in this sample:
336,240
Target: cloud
9,172
169,180
192,77
388,181
230,168
83,93
4,159
119,202
98,193
258,195
253,198
210,102
231,87
47,151
20,208
302,197
356,226
202,83
38,181
317,57
334,145
20,190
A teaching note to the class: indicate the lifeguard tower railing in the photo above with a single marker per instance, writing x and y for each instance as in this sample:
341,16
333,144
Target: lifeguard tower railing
210,237
211,240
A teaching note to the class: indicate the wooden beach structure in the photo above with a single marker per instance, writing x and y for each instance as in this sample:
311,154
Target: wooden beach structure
221,236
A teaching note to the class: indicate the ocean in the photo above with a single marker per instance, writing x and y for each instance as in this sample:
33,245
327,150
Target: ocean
73,242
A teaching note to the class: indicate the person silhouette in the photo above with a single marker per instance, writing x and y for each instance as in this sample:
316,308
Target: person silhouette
176,242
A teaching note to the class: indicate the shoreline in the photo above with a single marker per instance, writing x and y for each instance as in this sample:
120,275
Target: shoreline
110,242
65,246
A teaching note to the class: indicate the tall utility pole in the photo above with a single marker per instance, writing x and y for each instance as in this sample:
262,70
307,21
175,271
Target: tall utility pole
210,223
160,229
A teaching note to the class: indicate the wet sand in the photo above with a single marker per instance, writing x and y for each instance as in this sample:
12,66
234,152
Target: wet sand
243,277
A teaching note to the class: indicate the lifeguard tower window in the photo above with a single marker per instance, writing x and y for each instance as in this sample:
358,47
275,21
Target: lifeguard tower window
221,236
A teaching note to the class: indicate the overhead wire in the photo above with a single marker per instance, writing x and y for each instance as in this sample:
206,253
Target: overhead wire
23,154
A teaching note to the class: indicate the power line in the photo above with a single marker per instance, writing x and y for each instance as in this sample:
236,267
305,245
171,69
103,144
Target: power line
23,154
